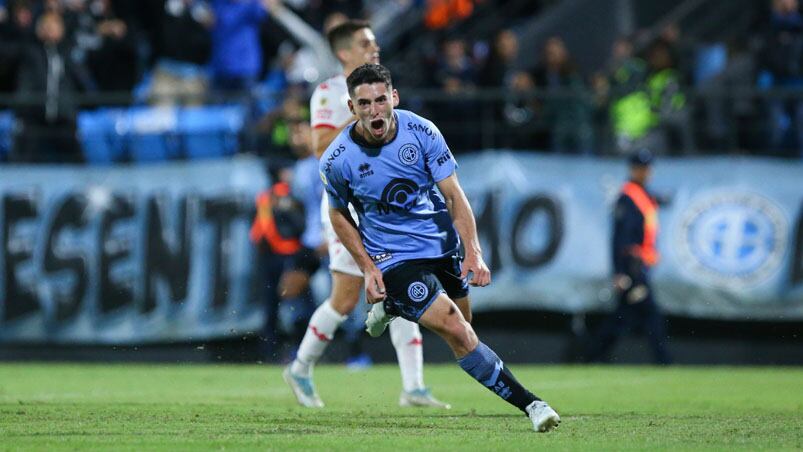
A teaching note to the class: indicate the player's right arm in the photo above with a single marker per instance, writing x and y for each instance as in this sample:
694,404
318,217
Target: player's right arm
337,184
349,236
323,135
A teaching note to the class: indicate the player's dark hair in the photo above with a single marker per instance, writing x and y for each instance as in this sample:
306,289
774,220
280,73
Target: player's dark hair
368,73
340,36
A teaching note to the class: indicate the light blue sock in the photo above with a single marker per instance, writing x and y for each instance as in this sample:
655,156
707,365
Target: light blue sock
482,364
487,368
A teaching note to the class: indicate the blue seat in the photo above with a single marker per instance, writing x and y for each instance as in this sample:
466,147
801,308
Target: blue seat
100,136
151,133
6,134
211,132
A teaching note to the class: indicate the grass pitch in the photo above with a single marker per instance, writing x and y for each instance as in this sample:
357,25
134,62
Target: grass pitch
235,407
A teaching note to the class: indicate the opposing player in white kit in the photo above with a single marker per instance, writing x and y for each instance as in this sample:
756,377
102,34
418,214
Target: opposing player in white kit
354,44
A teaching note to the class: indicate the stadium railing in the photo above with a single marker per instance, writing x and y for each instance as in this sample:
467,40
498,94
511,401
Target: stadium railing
719,120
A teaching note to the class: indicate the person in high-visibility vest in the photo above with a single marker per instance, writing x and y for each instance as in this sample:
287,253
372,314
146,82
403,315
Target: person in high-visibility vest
635,234
281,236
287,262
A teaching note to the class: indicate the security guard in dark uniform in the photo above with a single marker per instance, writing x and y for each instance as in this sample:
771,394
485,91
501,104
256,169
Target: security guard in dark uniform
635,231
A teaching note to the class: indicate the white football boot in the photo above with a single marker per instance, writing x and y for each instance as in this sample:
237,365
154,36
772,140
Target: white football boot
543,416
303,389
421,398
377,320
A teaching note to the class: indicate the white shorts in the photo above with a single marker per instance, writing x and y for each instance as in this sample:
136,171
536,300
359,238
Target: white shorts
340,259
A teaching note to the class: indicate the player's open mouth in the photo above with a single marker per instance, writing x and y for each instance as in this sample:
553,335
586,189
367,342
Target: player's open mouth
377,125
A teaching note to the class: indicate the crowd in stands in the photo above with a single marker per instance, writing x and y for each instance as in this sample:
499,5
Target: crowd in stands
59,58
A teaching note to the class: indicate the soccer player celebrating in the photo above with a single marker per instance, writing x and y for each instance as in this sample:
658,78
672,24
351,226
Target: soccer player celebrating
407,242
354,44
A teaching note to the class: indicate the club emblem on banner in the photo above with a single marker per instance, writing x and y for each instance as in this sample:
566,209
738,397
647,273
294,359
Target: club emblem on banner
732,239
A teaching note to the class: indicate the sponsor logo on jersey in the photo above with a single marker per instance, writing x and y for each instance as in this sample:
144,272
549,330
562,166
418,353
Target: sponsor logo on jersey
323,113
381,257
365,170
333,156
420,128
408,154
398,196
444,158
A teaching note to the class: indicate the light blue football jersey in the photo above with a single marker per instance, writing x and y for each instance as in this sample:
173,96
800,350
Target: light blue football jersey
401,213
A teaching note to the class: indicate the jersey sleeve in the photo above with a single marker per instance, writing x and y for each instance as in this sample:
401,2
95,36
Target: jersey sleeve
440,161
334,183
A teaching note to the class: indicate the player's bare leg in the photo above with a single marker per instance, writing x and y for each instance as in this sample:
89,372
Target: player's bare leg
408,342
445,319
464,304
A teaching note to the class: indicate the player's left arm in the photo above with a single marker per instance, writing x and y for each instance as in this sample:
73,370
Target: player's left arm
466,226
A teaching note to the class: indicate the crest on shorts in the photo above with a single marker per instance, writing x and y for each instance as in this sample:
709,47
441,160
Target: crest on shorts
417,291
408,154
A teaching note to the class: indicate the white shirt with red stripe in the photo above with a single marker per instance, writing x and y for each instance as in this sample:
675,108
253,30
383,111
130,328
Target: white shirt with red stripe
329,103
329,108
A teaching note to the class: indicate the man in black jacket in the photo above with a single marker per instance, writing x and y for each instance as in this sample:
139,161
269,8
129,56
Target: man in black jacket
47,82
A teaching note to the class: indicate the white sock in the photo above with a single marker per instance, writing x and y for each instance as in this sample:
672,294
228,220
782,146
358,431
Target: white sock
321,330
406,338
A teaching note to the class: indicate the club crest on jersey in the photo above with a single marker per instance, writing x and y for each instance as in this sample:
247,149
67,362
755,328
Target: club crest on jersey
408,154
417,291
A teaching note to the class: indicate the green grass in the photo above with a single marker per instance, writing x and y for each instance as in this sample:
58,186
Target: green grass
190,407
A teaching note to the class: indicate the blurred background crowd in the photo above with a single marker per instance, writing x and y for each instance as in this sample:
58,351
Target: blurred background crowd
83,80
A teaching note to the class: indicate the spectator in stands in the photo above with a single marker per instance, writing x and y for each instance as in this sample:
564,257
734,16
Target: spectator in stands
781,67
186,45
48,81
112,58
455,74
516,114
236,49
443,13
631,116
566,109
16,33
275,129
499,67
456,71
664,88
609,85
647,105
